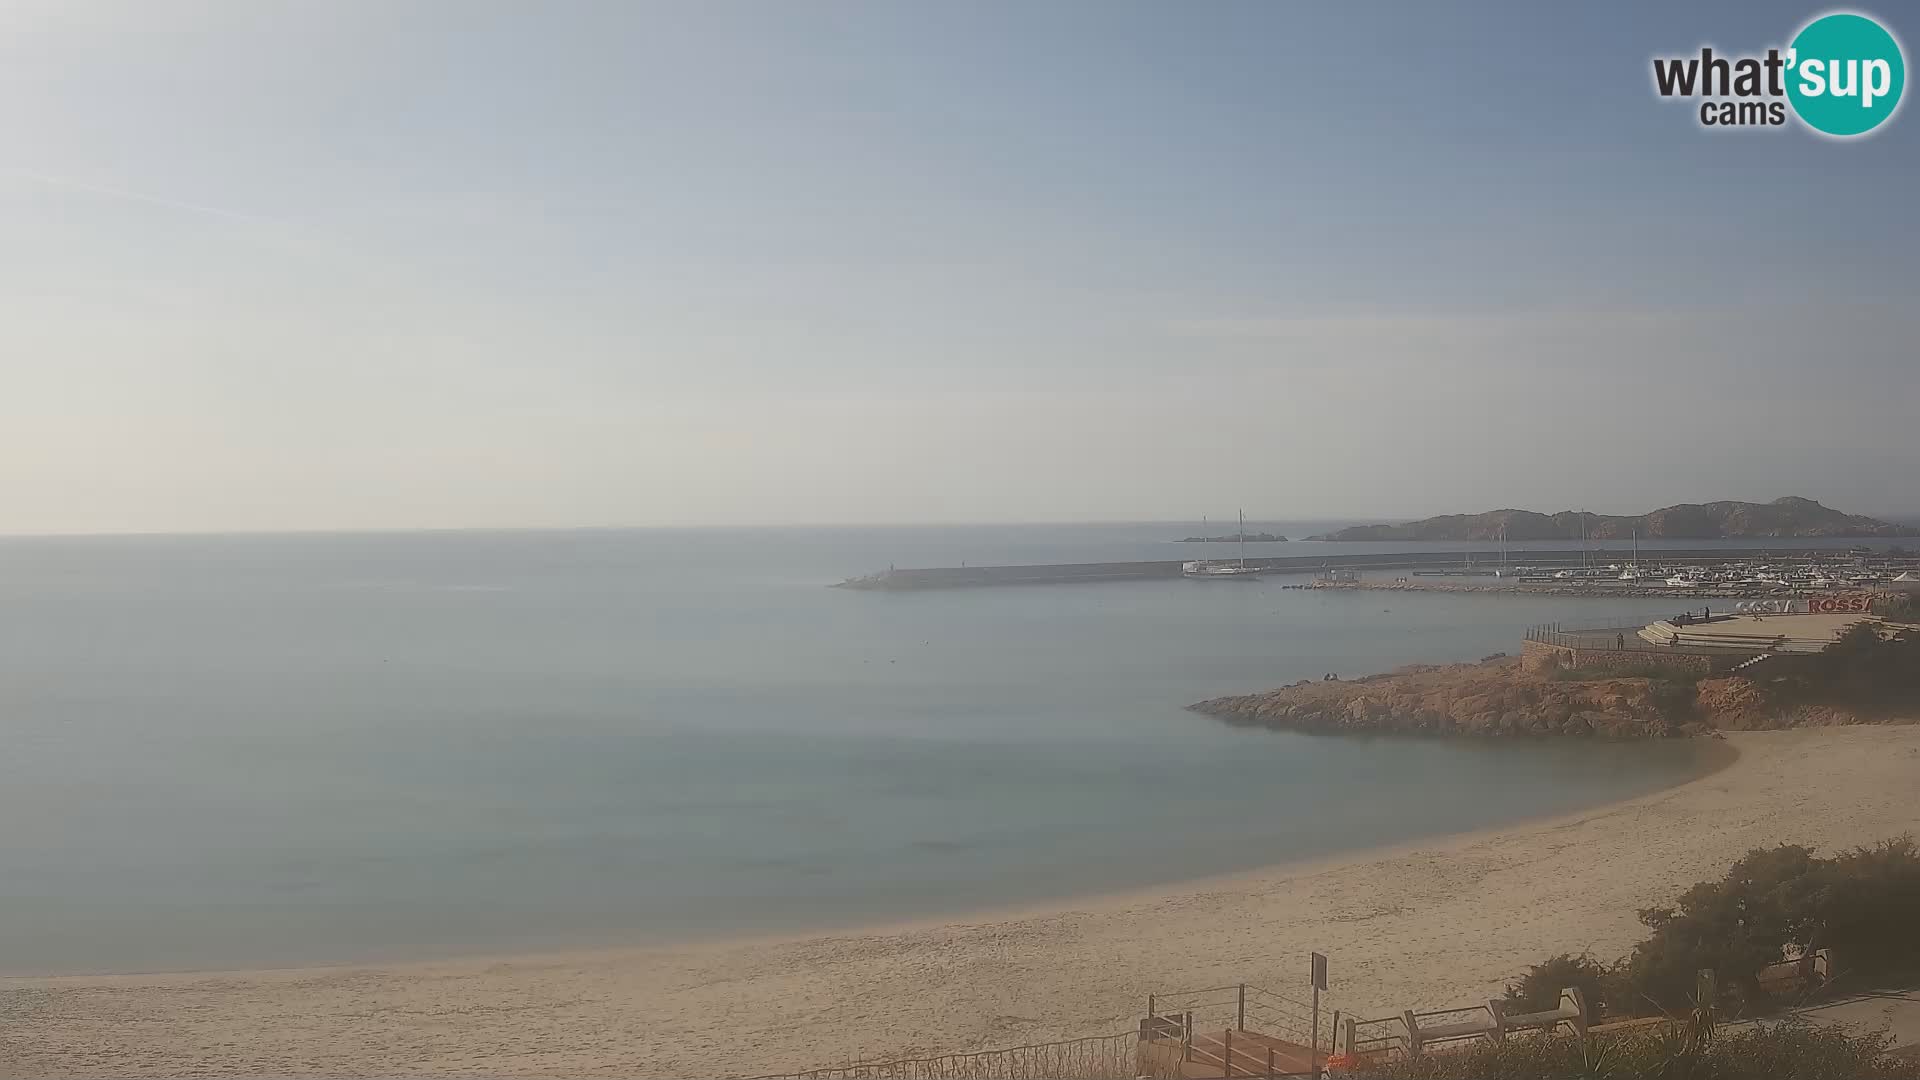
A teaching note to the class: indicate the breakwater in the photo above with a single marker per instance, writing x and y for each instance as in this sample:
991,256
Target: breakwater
953,577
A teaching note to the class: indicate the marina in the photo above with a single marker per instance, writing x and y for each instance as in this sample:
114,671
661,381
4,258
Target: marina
1710,572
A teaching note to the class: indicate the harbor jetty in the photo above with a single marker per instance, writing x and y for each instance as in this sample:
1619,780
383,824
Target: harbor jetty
1480,563
1235,538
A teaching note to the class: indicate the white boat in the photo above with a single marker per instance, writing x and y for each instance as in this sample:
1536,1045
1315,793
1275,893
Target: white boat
1201,568
1688,581
1631,571
1206,568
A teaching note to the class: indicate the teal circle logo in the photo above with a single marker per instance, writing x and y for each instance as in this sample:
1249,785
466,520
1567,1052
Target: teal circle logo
1845,74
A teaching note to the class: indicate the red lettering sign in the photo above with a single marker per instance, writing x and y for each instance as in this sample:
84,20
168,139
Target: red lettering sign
1840,604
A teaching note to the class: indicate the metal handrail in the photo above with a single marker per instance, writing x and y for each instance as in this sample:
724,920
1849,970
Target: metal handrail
1450,1012
1234,988
1387,1041
1191,998
1240,1007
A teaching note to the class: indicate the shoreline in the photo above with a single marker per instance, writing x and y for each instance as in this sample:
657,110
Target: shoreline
1716,754
1425,924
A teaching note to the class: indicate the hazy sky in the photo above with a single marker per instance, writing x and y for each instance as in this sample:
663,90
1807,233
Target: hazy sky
271,265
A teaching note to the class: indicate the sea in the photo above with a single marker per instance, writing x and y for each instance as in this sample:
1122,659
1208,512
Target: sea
247,751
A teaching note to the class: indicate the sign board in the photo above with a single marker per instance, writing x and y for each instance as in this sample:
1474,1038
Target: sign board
1857,603
1769,607
1319,972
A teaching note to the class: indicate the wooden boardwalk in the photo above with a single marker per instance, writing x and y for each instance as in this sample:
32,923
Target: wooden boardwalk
1217,1054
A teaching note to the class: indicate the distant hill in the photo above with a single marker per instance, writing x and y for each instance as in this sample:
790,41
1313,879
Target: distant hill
1685,521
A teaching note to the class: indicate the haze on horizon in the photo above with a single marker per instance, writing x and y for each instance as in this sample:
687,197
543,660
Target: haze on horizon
277,265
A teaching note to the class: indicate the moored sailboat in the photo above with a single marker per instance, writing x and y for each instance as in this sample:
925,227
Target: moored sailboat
1206,568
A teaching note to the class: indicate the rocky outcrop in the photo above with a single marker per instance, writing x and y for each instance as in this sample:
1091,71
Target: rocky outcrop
1494,697
1684,521
1501,696
1740,704
1737,703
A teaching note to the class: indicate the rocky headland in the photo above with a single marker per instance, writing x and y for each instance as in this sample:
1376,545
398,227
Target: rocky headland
1500,697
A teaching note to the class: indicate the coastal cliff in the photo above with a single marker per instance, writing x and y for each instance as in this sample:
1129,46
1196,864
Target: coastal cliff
1788,517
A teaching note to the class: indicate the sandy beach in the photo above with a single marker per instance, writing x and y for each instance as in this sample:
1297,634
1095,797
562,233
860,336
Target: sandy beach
1438,923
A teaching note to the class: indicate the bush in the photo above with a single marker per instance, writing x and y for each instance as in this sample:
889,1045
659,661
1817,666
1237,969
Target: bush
1539,989
1867,908
1735,926
1862,669
1796,1050
1772,903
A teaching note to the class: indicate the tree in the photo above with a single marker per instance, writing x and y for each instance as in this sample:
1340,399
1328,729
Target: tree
1539,989
1736,926
1773,904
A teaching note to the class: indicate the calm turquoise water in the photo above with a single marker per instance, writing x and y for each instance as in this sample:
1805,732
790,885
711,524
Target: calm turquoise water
248,751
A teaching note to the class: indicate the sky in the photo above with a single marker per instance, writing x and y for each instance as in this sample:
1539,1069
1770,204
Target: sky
457,263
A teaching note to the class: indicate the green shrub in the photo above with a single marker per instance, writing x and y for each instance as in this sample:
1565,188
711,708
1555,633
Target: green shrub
1860,904
1539,989
1868,907
1862,669
1734,926
1795,1050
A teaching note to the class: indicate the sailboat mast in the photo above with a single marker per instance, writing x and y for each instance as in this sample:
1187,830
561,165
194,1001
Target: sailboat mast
1243,538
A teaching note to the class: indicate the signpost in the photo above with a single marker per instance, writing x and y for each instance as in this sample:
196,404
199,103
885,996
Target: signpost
1319,984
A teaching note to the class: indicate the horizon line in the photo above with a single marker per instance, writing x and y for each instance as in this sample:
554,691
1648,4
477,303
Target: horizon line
1897,518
